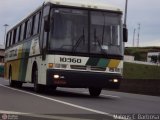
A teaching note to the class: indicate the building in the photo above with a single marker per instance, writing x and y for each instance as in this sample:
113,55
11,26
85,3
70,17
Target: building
2,48
153,57
129,58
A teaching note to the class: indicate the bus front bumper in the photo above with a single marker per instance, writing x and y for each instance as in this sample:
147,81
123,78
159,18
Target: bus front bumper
82,79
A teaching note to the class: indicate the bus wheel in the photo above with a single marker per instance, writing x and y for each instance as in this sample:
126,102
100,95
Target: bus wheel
18,84
12,83
95,92
37,87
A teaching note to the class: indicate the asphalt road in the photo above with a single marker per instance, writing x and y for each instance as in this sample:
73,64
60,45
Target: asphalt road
68,104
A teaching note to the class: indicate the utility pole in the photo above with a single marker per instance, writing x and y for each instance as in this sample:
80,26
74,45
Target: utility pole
125,17
139,27
5,32
134,32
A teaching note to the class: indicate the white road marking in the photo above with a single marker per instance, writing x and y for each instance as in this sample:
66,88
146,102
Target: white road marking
62,102
110,96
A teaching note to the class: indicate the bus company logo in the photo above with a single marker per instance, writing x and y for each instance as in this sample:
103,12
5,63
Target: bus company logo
4,116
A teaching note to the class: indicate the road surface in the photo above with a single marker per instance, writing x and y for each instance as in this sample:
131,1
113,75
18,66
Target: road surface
69,103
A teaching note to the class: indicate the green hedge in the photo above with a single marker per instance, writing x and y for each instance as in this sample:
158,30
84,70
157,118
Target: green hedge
139,71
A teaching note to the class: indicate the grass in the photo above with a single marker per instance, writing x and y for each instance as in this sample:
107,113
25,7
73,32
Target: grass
139,71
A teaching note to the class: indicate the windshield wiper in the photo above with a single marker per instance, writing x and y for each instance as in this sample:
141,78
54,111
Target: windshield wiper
99,43
79,41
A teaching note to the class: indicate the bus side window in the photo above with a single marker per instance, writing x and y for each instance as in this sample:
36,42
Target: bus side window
17,35
14,36
28,29
20,27
22,31
32,25
11,40
36,24
25,30
6,40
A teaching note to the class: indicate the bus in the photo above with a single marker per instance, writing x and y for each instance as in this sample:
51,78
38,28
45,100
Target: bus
76,44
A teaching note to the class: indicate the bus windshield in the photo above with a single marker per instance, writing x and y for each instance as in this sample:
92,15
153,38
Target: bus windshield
70,31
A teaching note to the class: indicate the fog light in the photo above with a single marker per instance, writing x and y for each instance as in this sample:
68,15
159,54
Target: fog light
115,80
56,76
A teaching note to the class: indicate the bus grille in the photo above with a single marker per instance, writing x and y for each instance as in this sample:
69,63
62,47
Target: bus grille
92,68
78,67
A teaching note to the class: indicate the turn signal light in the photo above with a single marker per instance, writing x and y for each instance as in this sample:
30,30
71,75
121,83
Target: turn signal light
50,65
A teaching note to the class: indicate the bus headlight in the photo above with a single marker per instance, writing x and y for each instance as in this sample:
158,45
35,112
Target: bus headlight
115,80
56,76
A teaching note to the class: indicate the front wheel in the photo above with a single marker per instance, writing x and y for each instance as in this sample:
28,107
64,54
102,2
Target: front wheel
95,92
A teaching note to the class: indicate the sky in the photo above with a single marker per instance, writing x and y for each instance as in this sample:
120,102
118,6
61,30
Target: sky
143,12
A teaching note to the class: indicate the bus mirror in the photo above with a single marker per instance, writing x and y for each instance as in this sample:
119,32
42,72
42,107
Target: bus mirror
125,34
46,26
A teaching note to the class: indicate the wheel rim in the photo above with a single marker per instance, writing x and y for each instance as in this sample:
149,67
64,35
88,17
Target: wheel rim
10,80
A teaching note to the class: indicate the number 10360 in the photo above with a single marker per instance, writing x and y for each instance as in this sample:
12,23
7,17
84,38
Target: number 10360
70,60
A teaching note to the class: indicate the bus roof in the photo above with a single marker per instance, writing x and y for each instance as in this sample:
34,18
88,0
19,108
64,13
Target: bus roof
85,4
77,3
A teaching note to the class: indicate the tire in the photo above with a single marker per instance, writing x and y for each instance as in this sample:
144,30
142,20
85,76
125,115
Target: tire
37,87
95,92
11,82
18,84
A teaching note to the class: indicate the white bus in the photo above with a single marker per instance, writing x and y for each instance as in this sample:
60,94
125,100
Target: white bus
78,44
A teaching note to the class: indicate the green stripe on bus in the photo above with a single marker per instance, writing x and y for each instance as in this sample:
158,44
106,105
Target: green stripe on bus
92,61
24,61
103,63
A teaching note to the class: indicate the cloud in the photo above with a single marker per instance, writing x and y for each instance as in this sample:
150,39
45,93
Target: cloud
151,43
12,11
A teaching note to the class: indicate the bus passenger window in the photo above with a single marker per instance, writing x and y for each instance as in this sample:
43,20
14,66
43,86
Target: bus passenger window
22,31
32,26
17,35
25,30
36,24
11,40
6,40
14,36
28,29
19,32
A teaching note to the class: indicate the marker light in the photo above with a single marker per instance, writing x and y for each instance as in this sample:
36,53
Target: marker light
56,76
50,65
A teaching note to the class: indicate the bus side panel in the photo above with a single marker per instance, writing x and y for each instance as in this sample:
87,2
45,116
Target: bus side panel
42,71
24,61
34,56
15,67
42,66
